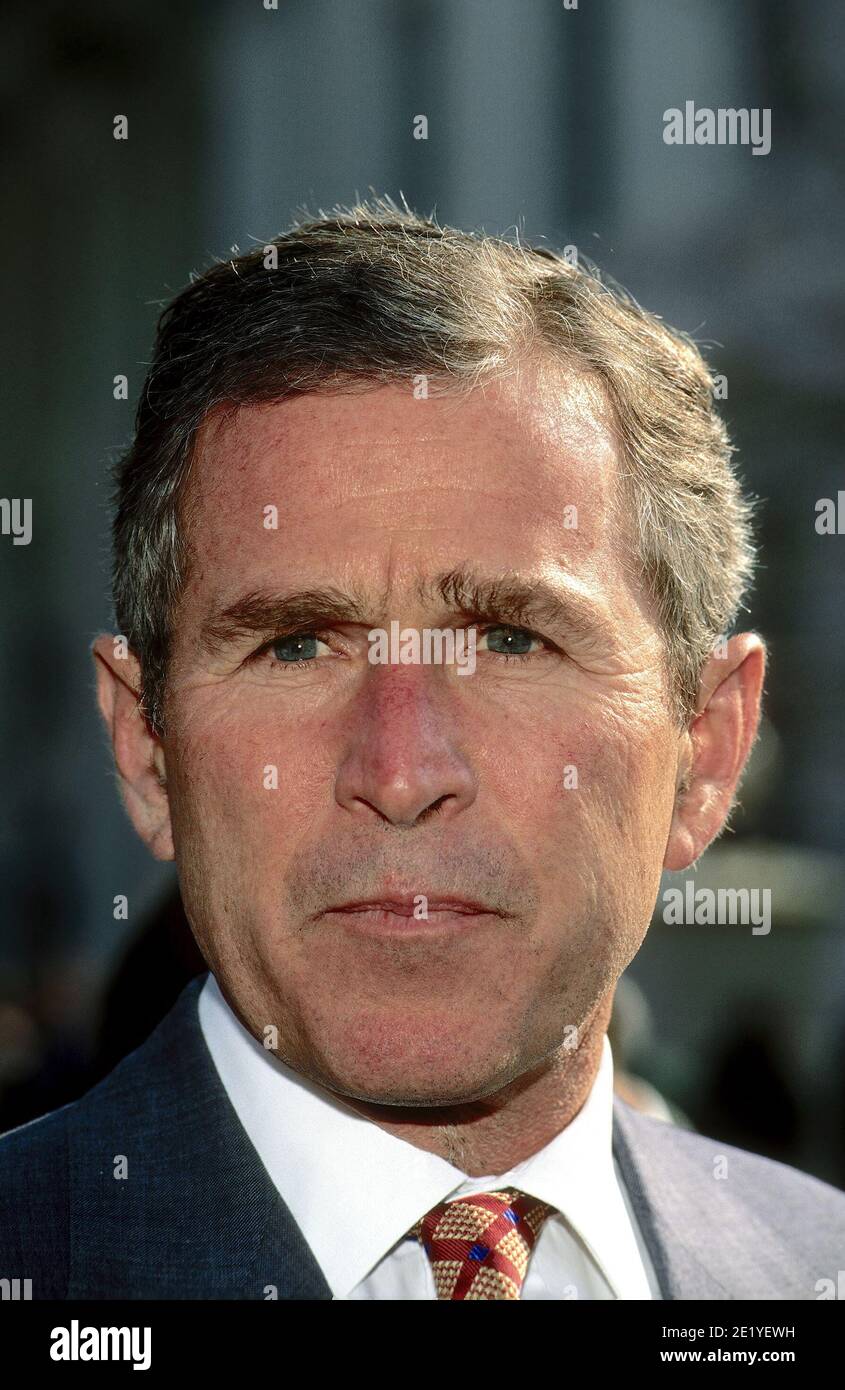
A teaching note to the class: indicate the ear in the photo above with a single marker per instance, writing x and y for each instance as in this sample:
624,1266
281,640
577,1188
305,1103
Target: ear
138,752
716,747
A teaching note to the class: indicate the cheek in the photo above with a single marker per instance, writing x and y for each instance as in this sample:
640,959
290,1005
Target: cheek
243,792
595,784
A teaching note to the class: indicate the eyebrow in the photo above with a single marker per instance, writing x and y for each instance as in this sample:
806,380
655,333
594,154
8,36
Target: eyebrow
505,599
524,603
261,612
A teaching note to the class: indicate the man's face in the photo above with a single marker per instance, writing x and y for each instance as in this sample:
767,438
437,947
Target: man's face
528,802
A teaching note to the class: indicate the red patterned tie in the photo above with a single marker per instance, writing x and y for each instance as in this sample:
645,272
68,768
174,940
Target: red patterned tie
479,1246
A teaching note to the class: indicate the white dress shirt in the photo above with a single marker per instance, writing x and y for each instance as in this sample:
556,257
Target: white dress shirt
355,1190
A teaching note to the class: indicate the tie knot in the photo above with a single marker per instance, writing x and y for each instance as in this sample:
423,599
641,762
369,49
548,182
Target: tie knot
479,1246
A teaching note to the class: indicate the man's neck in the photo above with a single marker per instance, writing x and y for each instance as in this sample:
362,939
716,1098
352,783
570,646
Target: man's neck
492,1135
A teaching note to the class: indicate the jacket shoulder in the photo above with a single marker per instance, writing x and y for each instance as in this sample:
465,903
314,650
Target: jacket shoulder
769,1186
37,1160
34,1203
760,1227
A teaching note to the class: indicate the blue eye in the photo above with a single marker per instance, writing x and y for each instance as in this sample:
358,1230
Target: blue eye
509,641
301,647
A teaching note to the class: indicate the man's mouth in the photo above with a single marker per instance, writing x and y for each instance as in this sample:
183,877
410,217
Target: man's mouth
411,913
407,905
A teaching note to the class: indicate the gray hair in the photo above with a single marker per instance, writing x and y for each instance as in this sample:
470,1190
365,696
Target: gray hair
374,294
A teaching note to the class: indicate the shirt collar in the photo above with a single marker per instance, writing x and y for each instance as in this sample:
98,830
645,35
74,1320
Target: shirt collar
354,1190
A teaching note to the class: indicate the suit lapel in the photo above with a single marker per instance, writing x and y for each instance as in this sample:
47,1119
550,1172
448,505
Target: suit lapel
168,1196
698,1203
663,1217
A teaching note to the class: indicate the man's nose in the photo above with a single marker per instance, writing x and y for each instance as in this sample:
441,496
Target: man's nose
402,761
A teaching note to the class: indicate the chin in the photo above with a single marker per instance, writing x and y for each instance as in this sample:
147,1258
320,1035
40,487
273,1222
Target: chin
416,1092
410,1067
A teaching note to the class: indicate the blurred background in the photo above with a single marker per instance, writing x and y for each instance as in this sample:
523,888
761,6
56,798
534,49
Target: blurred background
541,118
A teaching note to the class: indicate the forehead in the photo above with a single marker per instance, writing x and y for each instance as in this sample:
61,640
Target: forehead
517,472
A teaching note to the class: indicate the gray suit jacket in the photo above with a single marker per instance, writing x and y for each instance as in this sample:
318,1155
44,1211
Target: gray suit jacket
199,1217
